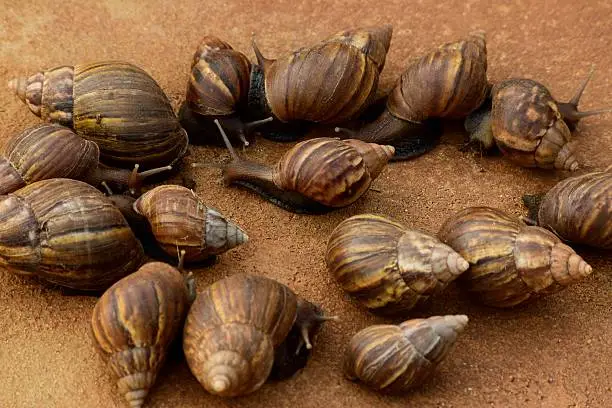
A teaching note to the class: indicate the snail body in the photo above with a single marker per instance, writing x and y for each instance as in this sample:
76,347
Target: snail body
394,359
390,269
180,221
578,209
448,83
52,151
134,323
528,125
234,327
315,176
510,262
63,231
114,104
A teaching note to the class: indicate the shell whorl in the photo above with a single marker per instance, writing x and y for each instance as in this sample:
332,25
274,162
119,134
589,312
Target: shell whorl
372,41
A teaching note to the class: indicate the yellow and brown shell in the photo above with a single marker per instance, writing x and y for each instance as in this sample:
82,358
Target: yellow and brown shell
134,323
372,41
63,231
528,127
510,263
393,359
180,221
387,267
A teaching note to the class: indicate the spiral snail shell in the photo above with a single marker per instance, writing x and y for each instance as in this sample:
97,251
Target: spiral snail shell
390,269
393,359
50,151
234,327
577,209
63,231
114,104
134,323
510,263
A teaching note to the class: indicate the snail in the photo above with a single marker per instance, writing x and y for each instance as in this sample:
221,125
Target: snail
528,125
115,104
510,262
390,269
313,177
136,320
68,233
577,209
397,358
234,327
52,151
448,83
180,221
328,83
217,89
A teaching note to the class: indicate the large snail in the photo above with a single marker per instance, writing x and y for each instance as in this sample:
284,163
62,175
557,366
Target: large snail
528,125
577,209
315,176
236,325
68,233
387,267
50,151
448,83
115,104
136,320
510,263
329,83
217,89
393,359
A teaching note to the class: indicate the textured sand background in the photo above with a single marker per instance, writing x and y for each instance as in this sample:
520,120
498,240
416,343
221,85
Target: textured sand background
555,353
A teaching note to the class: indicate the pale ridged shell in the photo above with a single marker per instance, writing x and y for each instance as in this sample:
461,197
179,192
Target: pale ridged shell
372,41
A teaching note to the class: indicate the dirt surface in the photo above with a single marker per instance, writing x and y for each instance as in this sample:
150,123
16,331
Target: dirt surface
553,353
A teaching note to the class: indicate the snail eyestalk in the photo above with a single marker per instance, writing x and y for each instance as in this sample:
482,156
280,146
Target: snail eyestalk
109,191
263,62
228,144
256,123
569,110
349,132
135,180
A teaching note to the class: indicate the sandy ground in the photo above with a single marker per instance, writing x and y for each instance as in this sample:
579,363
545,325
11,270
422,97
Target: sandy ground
554,353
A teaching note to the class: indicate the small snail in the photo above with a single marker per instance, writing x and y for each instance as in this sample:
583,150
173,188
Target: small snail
577,209
180,221
217,89
67,233
315,176
448,83
115,104
528,125
387,267
136,320
510,263
329,83
235,326
52,151
395,359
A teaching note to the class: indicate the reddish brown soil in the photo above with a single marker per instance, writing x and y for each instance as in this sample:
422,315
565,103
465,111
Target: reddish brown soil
554,353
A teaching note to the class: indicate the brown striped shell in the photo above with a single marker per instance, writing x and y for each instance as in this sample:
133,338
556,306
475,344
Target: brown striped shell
387,267
450,82
372,41
510,263
180,221
528,127
134,323
219,80
234,327
115,104
64,231
579,209
395,359
330,82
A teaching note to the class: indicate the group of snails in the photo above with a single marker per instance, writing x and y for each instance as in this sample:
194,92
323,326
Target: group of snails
107,121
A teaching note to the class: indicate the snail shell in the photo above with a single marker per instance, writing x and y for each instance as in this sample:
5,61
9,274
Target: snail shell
510,263
374,42
234,327
579,209
135,321
63,231
114,104
180,221
394,359
387,267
